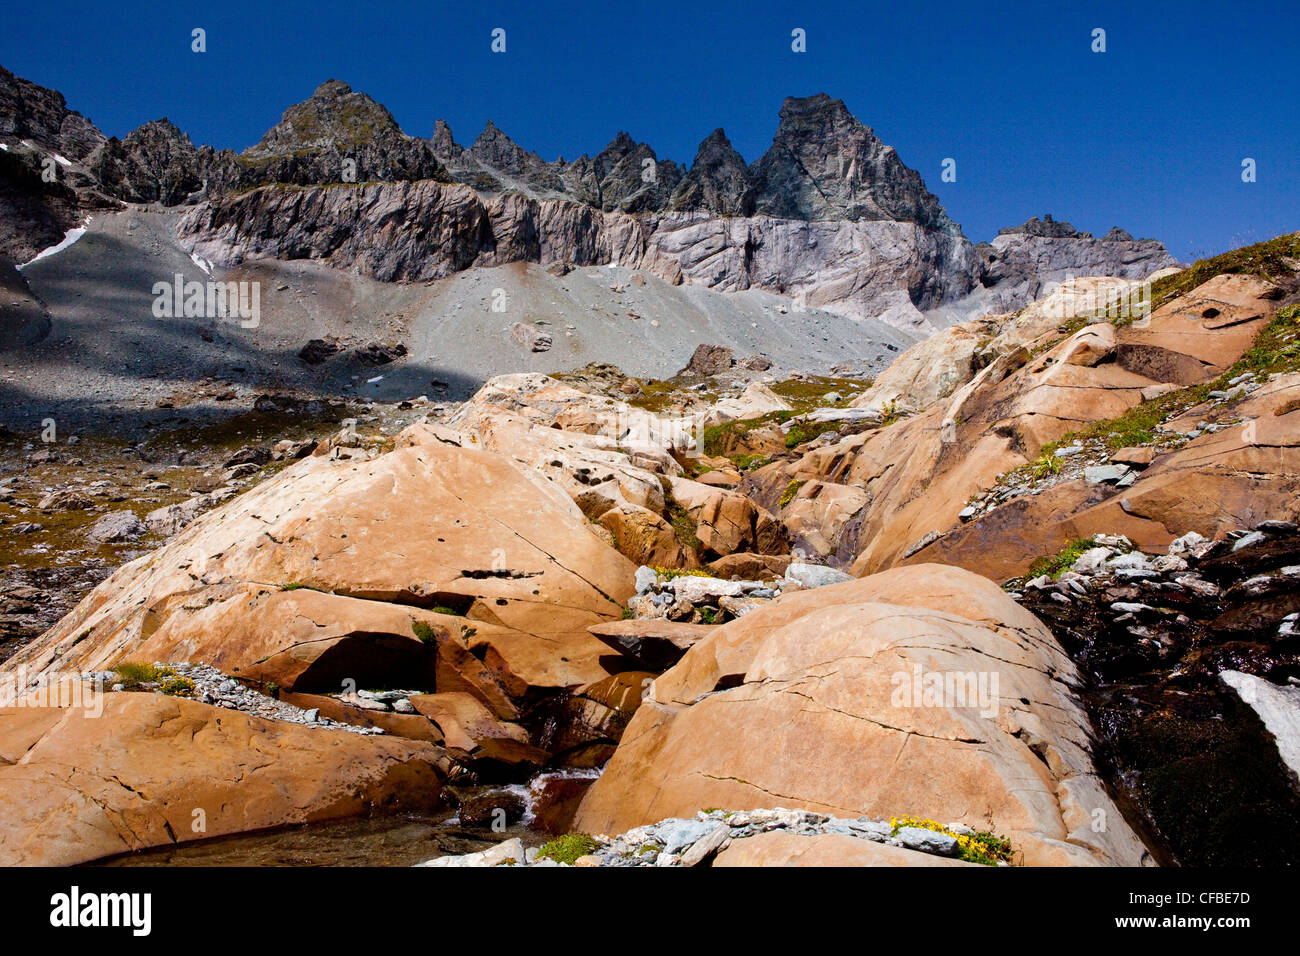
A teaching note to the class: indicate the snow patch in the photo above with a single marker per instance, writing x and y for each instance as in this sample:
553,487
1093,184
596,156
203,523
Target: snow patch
69,237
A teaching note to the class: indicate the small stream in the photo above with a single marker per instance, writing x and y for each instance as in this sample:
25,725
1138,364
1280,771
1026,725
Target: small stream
535,812
378,841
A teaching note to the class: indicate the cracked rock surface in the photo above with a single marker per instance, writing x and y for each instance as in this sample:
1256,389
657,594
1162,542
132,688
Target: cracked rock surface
803,701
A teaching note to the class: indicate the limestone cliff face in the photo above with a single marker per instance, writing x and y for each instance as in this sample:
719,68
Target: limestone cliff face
829,215
1022,261
429,230
388,231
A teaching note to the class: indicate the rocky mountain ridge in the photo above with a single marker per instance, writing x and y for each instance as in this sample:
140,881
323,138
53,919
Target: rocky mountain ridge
829,215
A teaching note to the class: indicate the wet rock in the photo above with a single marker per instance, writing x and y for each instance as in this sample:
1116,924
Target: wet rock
495,807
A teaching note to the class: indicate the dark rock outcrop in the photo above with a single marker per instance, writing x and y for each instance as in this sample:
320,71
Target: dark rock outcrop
29,111
44,188
500,153
632,178
824,164
389,231
1152,642
158,163
1045,228
333,129
718,180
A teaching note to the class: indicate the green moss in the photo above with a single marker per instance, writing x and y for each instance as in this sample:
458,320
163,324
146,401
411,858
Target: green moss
709,615
1057,564
424,632
747,463
134,673
443,609
656,396
568,848
805,394
802,431
1276,350
721,440
684,526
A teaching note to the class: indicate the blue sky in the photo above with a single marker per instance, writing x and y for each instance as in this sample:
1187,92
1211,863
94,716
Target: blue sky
1149,135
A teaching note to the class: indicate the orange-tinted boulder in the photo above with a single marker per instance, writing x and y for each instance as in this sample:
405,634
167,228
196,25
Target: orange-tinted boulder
820,702
152,770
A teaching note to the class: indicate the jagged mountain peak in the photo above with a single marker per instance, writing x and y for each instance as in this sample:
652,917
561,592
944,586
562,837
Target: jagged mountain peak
161,128
632,178
1046,228
495,149
718,179
444,143
621,145
793,108
335,135
826,164
333,116
493,138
